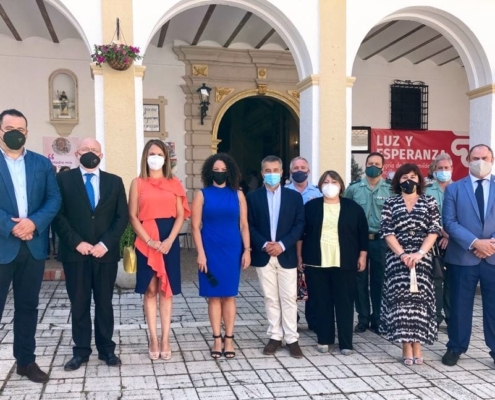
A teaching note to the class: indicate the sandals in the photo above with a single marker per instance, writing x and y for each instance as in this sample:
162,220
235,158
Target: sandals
408,360
216,354
229,354
154,355
166,355
418,360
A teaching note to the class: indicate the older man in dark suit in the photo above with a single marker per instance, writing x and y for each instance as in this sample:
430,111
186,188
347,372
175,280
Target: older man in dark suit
276,223
90,223
29,199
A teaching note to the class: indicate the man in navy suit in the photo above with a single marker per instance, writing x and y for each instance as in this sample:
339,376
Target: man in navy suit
469,219
29,201
276,223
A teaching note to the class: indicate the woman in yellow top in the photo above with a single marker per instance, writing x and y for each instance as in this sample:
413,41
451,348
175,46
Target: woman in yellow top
335,246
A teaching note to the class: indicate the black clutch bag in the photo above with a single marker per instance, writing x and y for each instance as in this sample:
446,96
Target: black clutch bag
438,263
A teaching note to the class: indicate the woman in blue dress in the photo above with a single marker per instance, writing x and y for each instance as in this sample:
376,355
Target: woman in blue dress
221,235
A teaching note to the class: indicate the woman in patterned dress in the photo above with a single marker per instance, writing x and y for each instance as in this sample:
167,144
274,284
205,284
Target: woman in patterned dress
410,225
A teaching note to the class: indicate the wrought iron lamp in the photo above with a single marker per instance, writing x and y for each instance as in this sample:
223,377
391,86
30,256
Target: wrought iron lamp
204,100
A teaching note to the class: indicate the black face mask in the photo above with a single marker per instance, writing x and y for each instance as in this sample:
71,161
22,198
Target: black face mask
89,160
299,176
373,171
14,139
219,177
409,186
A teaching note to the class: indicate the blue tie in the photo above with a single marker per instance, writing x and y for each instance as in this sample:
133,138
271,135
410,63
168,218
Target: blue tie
480,199
90,190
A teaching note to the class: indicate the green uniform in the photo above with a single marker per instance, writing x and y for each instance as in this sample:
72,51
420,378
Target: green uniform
370,281
436,191
371,200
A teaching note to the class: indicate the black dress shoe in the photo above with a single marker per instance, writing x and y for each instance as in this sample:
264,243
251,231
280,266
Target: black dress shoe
110,358
75,363
374,329
450,358
33,373
361,327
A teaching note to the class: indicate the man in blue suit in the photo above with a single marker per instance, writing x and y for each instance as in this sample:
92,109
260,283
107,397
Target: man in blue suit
276,223
29,201
469,219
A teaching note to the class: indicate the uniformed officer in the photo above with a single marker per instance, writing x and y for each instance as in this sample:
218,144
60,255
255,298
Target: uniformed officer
371,193
299,170
442,167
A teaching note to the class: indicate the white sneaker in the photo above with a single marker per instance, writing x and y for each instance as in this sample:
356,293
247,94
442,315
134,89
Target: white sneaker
346,352
323,348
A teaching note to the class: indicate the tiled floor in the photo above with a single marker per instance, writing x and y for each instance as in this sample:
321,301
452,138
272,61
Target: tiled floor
373,372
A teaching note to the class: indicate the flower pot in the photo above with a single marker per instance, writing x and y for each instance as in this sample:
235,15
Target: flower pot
120,65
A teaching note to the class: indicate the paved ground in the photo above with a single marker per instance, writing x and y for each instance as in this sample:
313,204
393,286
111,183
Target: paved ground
373,372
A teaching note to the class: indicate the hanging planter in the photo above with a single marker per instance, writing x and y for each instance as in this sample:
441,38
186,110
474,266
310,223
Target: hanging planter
118,56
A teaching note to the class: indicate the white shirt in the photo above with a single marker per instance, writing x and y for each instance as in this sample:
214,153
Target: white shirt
17,169
486,187
95,182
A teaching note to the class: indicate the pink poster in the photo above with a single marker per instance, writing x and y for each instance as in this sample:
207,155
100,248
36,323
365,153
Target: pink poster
60,151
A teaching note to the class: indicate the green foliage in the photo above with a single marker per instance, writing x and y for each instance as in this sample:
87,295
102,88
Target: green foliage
127,238
356,170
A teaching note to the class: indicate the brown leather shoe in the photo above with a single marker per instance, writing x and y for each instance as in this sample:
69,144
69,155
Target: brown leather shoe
294,350
33,373
271,347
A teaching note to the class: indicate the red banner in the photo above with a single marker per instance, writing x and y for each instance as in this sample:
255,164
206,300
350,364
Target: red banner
420,147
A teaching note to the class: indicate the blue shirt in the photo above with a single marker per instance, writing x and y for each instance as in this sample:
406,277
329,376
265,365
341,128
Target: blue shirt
17,169
310,192
274,199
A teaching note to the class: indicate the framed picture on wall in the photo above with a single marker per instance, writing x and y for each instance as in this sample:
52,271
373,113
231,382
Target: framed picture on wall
361,139
154,117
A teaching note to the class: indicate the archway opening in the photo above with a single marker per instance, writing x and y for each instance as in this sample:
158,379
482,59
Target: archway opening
256,127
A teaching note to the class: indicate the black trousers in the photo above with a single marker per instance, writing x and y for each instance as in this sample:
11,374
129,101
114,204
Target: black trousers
26,274
82,279
370,282
333,291
442,297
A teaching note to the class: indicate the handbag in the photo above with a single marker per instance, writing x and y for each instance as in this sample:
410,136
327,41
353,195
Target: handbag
438,263
302,288
130,260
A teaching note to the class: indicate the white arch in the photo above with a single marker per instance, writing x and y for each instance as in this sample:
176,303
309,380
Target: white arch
262,8
82,8
455,31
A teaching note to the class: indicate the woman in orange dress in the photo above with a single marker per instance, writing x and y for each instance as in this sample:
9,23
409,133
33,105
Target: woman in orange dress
157,209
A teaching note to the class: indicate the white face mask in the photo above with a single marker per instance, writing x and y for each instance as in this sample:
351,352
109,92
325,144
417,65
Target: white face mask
330,190
155,162
480,168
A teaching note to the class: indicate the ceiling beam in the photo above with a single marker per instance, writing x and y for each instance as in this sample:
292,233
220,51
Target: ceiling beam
202,27
163,33
378,31
9,24
452,59
395,41
48,22
416,48
264,40
433,55
238,29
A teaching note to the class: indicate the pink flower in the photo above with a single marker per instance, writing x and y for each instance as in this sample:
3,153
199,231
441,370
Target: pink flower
126,60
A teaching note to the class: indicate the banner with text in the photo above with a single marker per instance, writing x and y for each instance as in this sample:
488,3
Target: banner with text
421,147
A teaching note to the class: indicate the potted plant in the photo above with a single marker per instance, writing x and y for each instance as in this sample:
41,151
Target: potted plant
118,56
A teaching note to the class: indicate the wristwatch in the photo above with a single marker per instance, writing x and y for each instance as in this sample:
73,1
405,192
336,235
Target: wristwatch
421,252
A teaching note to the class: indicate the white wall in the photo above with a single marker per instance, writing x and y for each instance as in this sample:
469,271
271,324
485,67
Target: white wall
163,77
25,68
448,104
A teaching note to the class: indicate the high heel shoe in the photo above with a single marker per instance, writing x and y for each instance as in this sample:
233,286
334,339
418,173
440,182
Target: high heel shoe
407,360
166,355
418,360
216,354
229,354
154,355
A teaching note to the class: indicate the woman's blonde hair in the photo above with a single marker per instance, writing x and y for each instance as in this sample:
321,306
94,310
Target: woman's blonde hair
145,170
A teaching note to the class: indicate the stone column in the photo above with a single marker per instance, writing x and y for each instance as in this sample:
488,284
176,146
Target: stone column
309,133
482,116
119,98
333,147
